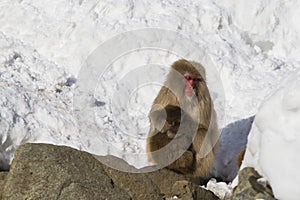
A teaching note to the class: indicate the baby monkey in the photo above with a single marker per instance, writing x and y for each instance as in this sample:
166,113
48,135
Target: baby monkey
166,123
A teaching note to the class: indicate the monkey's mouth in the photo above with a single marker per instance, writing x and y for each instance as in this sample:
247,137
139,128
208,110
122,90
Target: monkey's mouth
189,91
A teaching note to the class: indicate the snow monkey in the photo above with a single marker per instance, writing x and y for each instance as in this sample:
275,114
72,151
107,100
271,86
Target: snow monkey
182,118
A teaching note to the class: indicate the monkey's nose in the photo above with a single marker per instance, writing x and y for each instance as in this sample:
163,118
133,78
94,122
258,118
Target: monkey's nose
191,81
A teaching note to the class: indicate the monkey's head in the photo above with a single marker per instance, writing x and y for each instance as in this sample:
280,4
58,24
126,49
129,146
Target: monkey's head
166,120
191,84
188,78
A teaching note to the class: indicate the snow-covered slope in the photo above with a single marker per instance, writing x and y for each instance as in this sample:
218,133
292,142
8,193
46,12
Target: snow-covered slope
44,45
35,100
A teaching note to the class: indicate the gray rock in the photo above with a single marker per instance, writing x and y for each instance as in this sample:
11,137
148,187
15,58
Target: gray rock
3,176
41,171
165,179
148,185
138,185
44,171
187,190
250,188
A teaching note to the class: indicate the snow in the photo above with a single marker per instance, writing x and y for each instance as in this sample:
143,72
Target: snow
48,94
220,189
31,108
274,140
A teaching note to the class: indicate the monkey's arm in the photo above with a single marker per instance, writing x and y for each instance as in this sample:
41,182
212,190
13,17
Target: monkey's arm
165,98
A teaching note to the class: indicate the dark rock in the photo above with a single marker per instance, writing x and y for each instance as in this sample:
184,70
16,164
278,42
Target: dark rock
250,188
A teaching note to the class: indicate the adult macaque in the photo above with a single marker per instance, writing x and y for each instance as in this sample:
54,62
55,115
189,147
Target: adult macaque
183,130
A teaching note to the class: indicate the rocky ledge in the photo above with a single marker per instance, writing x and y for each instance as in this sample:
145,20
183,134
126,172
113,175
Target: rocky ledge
44,171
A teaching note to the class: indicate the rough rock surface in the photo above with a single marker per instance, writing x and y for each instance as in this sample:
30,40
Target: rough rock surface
52,172
251,186
2,181
188,190
44,171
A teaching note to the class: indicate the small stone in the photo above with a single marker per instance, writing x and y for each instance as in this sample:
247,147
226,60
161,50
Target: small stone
251,187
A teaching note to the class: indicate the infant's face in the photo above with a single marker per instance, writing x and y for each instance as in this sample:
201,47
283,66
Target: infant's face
171,127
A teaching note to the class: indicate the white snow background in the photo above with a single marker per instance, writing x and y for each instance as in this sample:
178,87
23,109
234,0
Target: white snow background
254,46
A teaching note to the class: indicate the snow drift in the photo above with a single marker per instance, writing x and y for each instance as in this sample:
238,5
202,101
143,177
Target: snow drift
274,142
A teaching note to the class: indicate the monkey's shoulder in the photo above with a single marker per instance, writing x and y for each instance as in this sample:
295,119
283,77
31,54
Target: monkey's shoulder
165,97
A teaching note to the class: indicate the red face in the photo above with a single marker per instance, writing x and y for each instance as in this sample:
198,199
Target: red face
191,83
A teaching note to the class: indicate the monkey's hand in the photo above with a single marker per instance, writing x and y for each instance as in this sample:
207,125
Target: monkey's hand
170,134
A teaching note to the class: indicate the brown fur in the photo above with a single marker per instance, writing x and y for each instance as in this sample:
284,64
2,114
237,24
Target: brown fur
196,149
240,157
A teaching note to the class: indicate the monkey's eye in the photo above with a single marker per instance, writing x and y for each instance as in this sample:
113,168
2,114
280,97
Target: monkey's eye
188,77
197,79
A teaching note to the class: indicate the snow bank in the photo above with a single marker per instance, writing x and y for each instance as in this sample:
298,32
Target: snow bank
274,142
